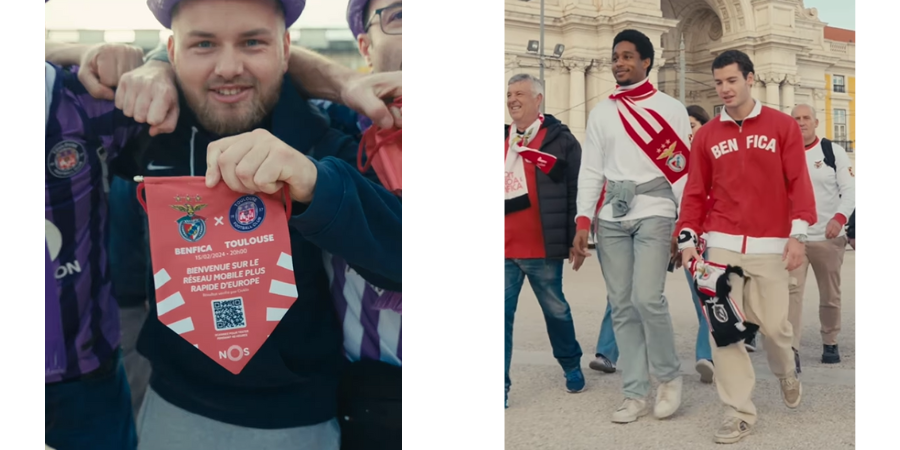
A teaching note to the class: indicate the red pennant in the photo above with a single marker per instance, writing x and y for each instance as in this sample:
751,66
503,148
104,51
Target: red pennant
222,264
383,150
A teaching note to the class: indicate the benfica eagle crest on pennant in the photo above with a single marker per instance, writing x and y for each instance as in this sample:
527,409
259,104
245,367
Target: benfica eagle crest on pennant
191,227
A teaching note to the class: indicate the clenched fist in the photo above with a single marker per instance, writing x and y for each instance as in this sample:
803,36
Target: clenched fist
257,161
148,95
103,65
371,94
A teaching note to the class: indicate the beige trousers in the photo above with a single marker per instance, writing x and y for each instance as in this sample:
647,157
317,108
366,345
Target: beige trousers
763,295
826,259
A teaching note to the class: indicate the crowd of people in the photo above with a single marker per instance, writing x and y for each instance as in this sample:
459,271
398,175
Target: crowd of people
662,186
329,376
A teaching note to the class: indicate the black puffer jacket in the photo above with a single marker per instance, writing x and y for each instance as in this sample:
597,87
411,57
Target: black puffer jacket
851,226
556,200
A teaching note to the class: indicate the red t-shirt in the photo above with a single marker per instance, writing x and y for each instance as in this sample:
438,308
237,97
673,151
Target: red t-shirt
524,232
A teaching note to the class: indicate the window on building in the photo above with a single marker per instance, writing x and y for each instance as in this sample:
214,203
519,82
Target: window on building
838,84
840,132
840,124
840,116
717,110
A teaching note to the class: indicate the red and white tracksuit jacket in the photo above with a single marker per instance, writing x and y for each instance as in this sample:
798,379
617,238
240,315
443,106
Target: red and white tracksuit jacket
760,178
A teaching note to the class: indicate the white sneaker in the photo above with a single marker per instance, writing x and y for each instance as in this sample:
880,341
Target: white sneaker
706,369
668,398
631,410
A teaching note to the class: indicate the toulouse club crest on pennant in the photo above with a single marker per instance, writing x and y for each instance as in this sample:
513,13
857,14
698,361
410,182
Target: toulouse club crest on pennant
221,288
247,213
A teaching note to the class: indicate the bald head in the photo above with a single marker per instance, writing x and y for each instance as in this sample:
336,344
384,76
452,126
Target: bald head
805,116
804,109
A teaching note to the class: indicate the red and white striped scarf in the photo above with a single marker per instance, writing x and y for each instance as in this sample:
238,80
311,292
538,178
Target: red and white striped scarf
519,148
650,131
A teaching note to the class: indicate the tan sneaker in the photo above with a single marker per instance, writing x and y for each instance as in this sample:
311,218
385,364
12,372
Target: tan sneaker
668,398
791,391
732,430
632,409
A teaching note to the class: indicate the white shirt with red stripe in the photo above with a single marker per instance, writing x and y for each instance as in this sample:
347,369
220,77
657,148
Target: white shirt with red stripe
610,153
835,189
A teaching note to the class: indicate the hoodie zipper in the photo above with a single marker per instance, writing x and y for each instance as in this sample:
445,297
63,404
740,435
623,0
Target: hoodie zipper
743,168
193,135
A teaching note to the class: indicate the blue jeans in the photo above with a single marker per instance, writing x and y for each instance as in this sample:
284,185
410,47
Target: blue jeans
127,245
90,413
545,278
606,342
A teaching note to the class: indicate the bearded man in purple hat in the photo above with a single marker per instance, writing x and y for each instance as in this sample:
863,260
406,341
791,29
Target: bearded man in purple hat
229,58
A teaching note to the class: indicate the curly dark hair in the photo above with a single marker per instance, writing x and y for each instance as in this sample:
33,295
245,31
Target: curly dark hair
641,43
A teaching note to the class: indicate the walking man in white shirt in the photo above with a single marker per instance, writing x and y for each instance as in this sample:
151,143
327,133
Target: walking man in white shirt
835,189
637,141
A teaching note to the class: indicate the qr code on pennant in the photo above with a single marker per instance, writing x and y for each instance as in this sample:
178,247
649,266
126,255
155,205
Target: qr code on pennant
229,314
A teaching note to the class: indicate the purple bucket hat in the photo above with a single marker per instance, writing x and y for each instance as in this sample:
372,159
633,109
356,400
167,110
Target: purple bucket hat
162,10
355,16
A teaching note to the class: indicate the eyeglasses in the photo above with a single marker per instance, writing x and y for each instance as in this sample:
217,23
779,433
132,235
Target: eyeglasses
391,19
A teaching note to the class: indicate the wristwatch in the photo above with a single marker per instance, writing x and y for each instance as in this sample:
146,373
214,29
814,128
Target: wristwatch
800,238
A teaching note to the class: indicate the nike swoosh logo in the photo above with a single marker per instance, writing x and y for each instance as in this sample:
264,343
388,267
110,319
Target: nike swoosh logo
152,166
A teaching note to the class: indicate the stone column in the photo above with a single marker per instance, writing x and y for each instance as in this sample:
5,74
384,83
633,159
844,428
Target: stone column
576,99
654,72
595,87
773,82
787,93
607,82
819,105
758,90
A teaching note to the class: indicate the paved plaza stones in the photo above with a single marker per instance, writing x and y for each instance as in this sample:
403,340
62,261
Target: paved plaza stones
542,415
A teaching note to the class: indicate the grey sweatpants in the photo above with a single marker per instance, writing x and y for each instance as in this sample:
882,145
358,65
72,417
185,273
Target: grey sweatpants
137,368
163,426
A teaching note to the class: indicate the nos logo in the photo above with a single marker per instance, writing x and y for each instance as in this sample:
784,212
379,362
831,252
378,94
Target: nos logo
234,353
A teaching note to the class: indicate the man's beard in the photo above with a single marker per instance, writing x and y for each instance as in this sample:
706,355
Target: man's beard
390,62
222,121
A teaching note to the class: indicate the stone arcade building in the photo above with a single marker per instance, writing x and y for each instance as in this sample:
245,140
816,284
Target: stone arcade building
798,58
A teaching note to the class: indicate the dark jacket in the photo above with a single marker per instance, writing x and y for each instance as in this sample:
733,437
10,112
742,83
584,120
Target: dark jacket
292,380
556,200
851,226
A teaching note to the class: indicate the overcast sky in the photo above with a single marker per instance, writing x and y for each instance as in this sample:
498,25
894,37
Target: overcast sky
836,13
134,15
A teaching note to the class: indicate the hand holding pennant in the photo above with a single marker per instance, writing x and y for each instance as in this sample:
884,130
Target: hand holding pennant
222,266
382,147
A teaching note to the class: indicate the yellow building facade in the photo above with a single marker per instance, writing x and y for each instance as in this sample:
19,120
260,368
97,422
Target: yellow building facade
840,94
